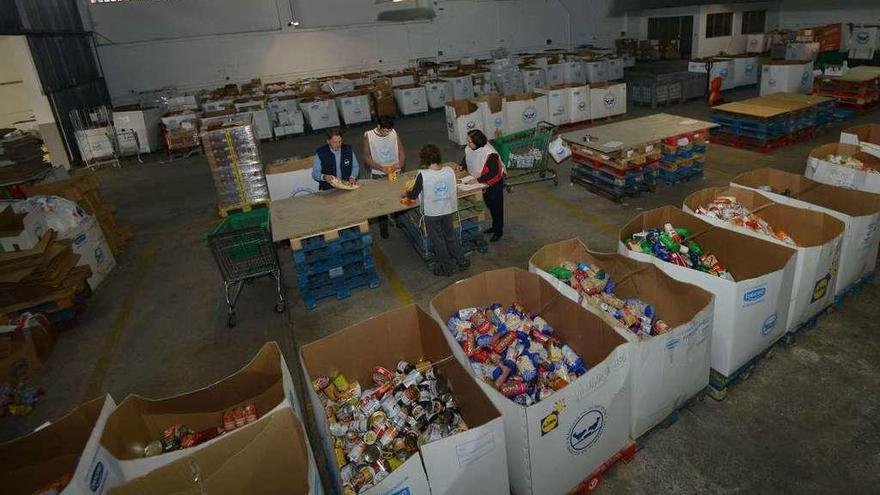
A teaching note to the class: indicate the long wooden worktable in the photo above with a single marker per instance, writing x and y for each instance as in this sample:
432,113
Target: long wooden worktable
314,214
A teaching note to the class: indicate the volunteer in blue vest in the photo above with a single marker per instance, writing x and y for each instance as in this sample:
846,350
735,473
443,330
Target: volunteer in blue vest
483,162
334,159
435,186
383,153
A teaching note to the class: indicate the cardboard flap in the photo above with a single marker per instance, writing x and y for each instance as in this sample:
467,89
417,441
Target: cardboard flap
494,102
462,107
33,461
138,420
866,133
271,456
779,181
290,165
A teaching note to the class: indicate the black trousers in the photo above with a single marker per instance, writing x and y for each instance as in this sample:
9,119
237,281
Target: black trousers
493,196
445,241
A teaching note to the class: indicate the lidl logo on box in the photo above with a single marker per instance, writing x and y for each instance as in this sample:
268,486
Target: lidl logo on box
821,288
549,423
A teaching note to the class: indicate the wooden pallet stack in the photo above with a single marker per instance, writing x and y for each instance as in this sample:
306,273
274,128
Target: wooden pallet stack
44,279
684,157
625,172
85,191
858,89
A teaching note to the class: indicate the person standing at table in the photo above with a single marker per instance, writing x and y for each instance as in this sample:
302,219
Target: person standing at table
436,188
483,162
334,159
384,153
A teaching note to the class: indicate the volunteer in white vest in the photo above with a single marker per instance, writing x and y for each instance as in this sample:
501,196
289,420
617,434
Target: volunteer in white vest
435,186
483,162
383,152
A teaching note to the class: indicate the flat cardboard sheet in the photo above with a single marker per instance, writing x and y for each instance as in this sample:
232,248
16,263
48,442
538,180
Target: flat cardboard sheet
317,213
634,132
772,105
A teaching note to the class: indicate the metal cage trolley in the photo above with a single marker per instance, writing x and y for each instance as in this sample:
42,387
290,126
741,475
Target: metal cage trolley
526,155
242,246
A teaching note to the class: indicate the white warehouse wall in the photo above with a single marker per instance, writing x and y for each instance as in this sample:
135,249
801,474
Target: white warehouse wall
189,44
809,13
14,104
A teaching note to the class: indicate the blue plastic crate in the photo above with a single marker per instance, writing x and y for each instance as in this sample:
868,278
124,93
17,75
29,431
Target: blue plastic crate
342,290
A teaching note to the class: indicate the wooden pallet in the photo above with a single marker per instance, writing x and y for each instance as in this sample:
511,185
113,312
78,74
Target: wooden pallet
719,384
330,235
226,211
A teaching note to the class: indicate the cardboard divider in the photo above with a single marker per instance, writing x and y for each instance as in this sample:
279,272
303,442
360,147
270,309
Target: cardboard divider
410,334
31,462
556,443
667,369
271,457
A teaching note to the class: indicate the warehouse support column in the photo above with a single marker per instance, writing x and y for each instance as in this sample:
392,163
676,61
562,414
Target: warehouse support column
33,89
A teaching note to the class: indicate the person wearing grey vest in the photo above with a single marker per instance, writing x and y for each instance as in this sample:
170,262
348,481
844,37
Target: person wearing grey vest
334,159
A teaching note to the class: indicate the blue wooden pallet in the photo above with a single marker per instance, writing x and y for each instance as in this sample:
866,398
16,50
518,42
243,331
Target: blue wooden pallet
616,193
318,242
327,263
683,174
335,274
367,279
744,123
631,179
332,249
719,384
789,337
854,288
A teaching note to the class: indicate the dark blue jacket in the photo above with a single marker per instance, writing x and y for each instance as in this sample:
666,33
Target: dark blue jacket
328,164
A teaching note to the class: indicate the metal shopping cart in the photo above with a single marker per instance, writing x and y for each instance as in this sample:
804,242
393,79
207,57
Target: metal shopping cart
242,246
526,155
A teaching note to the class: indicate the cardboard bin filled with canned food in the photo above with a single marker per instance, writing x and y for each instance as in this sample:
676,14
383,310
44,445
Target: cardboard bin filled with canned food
751,278
57,458
142,435
558,373
858,210
668,322
814,235
397,414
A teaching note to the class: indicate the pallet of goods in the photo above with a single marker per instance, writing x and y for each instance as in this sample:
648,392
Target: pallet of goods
858,89
233,153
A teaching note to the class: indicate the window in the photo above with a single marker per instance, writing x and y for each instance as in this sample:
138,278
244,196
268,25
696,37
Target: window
718,25
754,21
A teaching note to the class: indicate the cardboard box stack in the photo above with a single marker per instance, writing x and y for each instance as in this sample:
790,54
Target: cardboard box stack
22,157
469,461
667,369
85,191
557,442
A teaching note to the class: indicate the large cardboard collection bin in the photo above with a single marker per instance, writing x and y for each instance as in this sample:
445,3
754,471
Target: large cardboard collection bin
667,369
492,112
554,444
607,99
524,111
558,103
750,313
821,169
818,237
269,458
867,136
786,77
473,461
66,447
462,116
859,211
265,382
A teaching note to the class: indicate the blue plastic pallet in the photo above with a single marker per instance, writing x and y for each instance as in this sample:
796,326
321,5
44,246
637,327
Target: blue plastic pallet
632,179
718,383
681,175
329,262
311,297
699,148
332,249
336,275
854,288
318,242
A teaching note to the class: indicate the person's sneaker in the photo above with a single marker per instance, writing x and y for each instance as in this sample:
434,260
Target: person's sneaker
464,265
495,238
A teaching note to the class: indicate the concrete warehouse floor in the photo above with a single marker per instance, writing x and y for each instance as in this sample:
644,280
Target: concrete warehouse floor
806,421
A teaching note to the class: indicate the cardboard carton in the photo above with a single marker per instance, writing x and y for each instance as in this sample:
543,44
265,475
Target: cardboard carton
866,134
786,77
354,107
579,103
492,111
574,72
820,169
411,99
524,111
462,85
757,43
272,457
439,93
401,79
607,99
173,121
554,444
745,71
91,246
750,313
721,67
533,77
462,116
339,86
290,178
265,382
64,447
384,104
558,103
320,113
615,69
667,369
801,51
555,73
596,70
473,461
859,211
818,237
20,231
